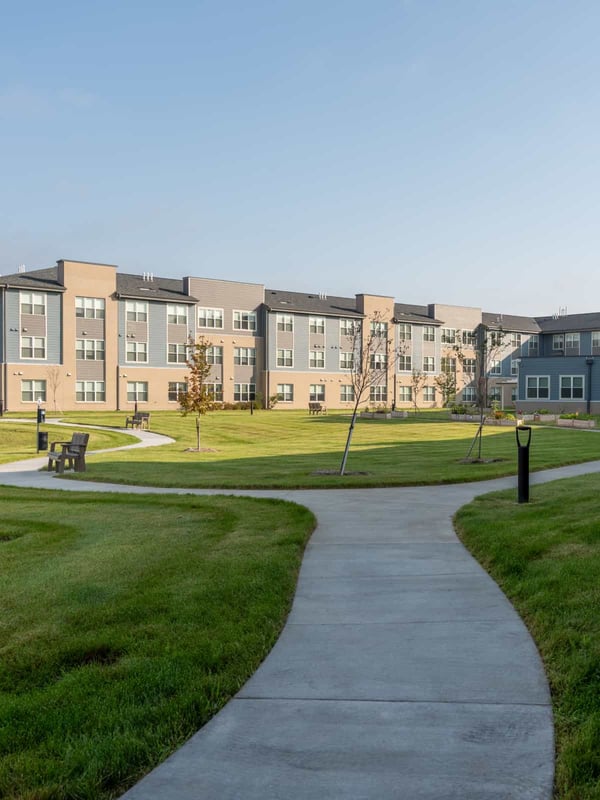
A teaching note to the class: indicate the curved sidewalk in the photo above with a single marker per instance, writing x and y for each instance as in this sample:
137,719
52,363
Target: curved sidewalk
402,671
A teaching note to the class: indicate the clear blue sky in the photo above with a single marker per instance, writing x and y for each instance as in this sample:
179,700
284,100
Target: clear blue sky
443,151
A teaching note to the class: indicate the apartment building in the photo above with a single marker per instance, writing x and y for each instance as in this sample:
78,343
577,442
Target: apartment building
82,335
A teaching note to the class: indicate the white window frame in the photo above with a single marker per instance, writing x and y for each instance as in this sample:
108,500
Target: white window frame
140,352
347,393
137,391
469,338
378,394
35,301
514,366
533,345
404,331
37,346
532,391
572,341
244,392
448,364
429,394
177,314
405,394
571,378
244,320
210,318
244,356
215,389
429,333
595,338
285,392
316,359
448,336
93,349
468,394
346,359
214,354
90,307
428,363
558,341
177,390
469,366
495,367
348,327
285,322
379,328
285,357
316,325
177,353
136,311
515,340
36,388
316,393
92,391
379,361
404,363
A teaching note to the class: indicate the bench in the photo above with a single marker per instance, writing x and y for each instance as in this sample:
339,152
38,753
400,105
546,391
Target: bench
316,408
140,420
71,453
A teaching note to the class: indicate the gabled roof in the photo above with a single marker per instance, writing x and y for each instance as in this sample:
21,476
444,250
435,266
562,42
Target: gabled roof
135,286
407,312
510,322
297,302
570,322
40,279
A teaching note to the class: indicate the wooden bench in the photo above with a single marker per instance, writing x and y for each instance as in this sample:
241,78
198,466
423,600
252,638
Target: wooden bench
71,453
141,420
316,408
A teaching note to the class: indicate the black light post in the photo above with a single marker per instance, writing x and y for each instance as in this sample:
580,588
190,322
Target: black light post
523,448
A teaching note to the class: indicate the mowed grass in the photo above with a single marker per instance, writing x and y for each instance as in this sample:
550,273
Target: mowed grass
18,440
127,622
546,557
272,449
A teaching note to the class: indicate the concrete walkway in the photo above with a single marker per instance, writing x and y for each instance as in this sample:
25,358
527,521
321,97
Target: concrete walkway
402,672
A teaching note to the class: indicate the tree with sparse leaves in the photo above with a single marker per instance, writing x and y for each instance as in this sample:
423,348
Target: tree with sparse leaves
54,379
446,383
198,399
368,367
418,379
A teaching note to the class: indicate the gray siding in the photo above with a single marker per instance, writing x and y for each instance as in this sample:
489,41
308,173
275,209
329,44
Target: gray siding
54,343
12,326
554,368
157,335
230,296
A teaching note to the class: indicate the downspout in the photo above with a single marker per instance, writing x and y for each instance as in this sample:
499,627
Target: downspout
590,363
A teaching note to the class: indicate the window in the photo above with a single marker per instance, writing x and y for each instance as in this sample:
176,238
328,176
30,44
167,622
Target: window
214,355
379,361
244,321
137,351
89,349
428,364
215,391
404,363
176,315
495,394
558,341
595,338
285,358
210,317
175,389
405,394
90,307
33,303
243,392
244,356
448,335
32,391
495,367
316,393
285,392
379,328
469,366
448,364
533,345
572,342
468,394
316,325
89,391
404,331
515,340
137,391
538,387
346,393
316,359
137,311
33,347
348,327
177,354
346,360
285,322
514,367
469,338
495,338
429,394
571,387
428,333
378,394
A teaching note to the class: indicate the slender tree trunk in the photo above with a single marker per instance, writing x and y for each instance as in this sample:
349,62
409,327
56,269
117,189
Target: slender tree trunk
348,440
198,433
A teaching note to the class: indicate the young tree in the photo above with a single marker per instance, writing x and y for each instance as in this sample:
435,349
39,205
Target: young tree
370,350
198,399
54,380
418,379
446,383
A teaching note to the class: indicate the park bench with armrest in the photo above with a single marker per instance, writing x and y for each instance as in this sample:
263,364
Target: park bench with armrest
316,408
71,453
140,420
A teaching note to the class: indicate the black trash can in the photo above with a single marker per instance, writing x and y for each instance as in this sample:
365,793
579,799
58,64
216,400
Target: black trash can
42,440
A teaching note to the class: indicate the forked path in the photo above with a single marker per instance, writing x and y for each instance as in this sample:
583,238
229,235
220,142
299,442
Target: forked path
402,671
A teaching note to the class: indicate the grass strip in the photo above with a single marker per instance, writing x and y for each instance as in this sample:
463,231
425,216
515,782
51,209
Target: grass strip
545,555
128,621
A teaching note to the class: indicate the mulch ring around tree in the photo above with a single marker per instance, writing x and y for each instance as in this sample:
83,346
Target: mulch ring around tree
336,472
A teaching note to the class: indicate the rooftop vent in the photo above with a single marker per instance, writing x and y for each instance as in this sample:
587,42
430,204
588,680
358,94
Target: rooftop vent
322,295
21,268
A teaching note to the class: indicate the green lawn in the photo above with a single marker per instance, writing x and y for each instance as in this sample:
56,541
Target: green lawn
18,440
546,557
127,622
285,449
